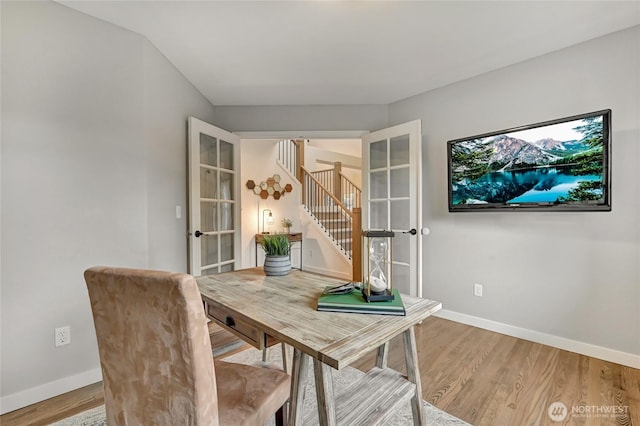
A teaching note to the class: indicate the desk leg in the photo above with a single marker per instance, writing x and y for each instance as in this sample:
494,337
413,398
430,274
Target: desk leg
256,254
324,393
286,358
300,364
382,355
413,373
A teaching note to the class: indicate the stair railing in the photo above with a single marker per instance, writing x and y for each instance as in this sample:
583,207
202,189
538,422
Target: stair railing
291,156
341,186
325,178
350,194
328,211
340,212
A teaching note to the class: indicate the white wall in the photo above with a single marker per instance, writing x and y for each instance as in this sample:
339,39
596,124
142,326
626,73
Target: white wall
320,154
571,275
93,165
352,147
258,162
317,159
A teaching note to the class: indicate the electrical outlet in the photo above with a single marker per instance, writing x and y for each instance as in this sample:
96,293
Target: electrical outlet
63,335
477,290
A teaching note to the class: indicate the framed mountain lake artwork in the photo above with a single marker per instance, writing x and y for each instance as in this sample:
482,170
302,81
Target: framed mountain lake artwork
557,165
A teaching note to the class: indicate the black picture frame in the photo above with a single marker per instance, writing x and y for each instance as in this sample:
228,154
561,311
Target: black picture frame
556,165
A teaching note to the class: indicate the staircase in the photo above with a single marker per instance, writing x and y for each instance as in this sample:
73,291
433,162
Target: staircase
330,198
336,224
329,212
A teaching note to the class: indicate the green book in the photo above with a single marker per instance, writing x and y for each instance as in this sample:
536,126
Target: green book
355,303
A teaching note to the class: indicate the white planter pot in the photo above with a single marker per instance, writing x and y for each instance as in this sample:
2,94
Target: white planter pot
277,265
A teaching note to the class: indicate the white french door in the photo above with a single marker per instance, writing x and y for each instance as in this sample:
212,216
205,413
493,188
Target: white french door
214,199
391,197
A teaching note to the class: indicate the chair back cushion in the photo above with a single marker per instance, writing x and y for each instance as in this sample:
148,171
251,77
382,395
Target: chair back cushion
154,347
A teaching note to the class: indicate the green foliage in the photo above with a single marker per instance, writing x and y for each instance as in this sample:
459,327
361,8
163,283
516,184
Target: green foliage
587,162
591,131
583,163
276,245
286,223
586,191
470,164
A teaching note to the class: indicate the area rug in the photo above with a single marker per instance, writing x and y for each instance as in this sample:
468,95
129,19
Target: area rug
341,379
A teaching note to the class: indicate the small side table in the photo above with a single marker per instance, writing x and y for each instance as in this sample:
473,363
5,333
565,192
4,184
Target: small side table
294,237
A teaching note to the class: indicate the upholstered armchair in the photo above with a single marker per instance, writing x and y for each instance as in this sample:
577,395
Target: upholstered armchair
156,360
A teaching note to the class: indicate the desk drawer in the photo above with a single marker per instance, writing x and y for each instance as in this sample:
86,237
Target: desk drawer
246,332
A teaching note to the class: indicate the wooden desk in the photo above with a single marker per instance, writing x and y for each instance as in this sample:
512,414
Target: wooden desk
284,308
294,237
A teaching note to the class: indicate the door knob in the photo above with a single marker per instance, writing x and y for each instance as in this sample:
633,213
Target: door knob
198,233
411,231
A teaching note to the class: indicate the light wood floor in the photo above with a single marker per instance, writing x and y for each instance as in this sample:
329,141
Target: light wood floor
479,376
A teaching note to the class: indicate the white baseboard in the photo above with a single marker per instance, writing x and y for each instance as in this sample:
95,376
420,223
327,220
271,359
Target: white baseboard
48,390
611,355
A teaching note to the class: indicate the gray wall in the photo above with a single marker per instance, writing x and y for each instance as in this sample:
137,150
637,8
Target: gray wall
276,118
93,165
573,275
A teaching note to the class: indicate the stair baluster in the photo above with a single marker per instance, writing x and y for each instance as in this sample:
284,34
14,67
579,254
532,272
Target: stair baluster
328,211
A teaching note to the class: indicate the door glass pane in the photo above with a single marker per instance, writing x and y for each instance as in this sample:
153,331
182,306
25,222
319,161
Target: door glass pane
378,155
226,186
378,184
401,247
209,249
208,216
400,214
226,247
378,215
401,278
226,216
208,183
226,268
400,184
209,271
226,155
399,152
208,150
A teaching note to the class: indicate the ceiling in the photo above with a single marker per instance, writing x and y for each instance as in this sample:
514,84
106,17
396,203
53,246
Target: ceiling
362,52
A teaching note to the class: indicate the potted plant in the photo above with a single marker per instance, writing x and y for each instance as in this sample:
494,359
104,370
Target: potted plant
276,249
286,225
